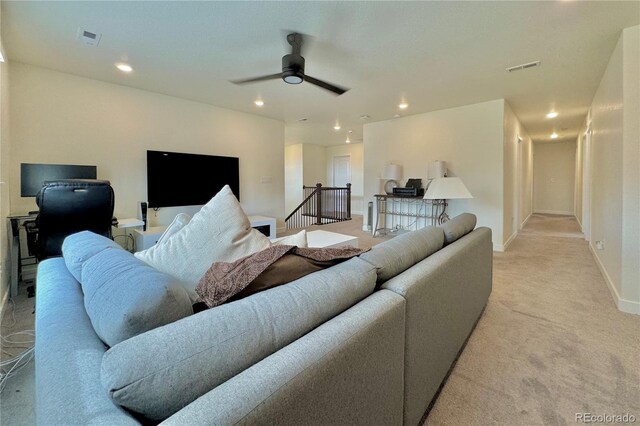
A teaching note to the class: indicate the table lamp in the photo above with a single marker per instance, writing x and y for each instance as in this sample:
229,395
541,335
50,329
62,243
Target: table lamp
392,172
447,188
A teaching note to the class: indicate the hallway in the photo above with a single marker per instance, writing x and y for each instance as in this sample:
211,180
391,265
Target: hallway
551,342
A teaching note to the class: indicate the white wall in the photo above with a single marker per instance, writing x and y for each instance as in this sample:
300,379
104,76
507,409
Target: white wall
631,167
5,162
469,138
356,152
526,181
293,177
61,118
615,181
518,177
554,166
314,167
578,177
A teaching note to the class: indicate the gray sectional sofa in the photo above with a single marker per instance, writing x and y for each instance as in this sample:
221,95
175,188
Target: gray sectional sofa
368,341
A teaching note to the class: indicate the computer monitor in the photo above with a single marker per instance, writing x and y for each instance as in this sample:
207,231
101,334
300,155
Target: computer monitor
33,176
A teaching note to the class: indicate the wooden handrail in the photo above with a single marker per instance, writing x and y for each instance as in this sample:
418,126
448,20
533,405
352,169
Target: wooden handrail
326,208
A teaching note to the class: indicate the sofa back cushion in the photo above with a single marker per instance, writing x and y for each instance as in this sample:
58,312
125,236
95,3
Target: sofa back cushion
402,252
124,297
159,372
79,247
458,227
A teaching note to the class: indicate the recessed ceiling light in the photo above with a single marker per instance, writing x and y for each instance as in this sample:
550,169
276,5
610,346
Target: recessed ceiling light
554,135
302,119
259,102
396,116
403,105
552,114
350,131
337,127
124,67
365,117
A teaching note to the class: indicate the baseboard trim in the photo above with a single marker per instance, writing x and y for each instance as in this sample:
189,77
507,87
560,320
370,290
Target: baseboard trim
558,212
624,305
506,245
524,222
3,303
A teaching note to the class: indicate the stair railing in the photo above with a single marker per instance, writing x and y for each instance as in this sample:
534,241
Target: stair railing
320,206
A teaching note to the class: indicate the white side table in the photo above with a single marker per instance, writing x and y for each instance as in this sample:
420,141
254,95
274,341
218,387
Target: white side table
128,225
148,238
263,222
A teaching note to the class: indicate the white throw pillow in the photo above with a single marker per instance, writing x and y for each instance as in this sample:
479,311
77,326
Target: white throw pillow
179,222
219,232
298,240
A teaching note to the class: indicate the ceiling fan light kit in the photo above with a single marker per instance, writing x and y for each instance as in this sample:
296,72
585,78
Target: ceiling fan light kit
293,69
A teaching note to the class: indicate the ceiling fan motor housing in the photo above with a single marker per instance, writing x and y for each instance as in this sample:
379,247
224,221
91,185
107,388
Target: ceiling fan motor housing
293,69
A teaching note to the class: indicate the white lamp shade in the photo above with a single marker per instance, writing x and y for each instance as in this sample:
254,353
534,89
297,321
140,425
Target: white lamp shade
392,172
447,188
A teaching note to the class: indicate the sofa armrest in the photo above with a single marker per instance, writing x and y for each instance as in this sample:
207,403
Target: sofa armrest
347,371
68,355
445,295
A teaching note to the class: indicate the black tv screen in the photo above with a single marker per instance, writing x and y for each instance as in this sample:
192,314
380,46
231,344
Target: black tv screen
33,176
179,179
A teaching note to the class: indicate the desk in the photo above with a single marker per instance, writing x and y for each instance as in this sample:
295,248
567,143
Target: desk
17,222
403,213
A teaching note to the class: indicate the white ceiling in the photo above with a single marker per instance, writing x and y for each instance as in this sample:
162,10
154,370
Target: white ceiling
435,55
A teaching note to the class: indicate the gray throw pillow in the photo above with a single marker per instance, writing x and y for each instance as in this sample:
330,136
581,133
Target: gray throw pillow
124,296
79,247
458,227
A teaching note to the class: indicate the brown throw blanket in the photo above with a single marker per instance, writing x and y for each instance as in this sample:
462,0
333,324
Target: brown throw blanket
271,267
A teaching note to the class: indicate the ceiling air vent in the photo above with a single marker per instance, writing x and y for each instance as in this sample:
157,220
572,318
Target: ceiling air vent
89,38
524,66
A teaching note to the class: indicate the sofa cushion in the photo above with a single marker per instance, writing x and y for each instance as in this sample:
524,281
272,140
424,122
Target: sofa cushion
458,227
219,232
124,297
159,372
403,251
79,247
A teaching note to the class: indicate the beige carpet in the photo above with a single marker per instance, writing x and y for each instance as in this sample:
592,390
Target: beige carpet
549,345
552,225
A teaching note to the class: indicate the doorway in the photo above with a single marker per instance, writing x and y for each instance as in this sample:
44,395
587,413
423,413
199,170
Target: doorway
341,170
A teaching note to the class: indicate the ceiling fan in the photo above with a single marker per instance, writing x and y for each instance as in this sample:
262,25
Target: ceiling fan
293,69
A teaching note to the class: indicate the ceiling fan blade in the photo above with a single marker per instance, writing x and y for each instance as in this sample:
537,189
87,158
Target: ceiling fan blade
256,79
328,86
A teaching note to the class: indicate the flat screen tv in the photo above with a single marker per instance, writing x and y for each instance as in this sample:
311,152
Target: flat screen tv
179,179
32,176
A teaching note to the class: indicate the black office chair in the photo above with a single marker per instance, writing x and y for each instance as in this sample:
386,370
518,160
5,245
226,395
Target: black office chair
68,206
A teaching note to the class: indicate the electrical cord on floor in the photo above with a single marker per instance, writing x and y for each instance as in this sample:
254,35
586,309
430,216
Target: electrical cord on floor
13,365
